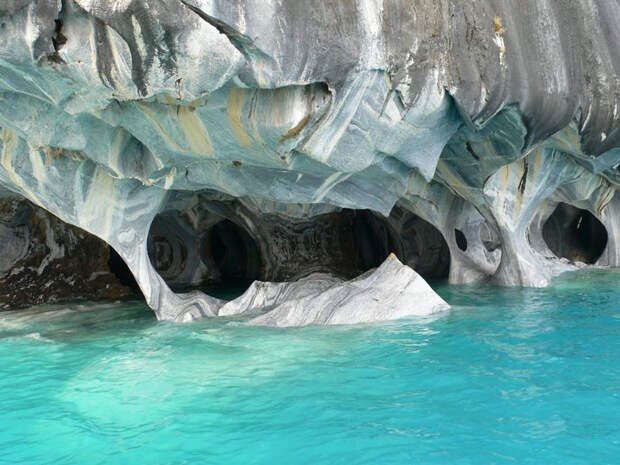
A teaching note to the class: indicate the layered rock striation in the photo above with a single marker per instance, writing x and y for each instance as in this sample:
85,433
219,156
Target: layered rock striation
389,292
269,140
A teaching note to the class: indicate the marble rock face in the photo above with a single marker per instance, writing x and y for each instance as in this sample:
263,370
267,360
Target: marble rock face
46,260
208,141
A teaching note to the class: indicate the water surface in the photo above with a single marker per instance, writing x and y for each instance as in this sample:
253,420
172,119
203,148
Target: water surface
508,376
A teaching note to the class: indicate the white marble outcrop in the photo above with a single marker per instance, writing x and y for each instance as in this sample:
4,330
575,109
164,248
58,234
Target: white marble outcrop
389,292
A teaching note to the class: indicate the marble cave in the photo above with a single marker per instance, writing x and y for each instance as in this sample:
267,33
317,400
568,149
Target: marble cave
331,157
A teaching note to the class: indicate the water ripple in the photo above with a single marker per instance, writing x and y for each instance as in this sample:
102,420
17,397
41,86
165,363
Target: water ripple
508,376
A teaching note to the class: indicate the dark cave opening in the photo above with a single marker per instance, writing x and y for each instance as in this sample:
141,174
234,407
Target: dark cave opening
575,234
426,250
169,250
461,240
373,239
220,253
234,253
413,240
119,268
213,254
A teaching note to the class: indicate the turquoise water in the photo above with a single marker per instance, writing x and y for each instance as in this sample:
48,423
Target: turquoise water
508,376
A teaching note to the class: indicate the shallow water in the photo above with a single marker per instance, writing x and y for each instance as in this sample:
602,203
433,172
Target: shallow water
507,376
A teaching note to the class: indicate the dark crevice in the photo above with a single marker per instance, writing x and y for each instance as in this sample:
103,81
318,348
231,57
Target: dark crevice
490,246
119,268
461,240
234,253
523,179
58,41
575,234
471,151
373,239
425,249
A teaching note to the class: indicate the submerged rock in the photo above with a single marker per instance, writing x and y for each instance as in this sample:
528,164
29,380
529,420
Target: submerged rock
389,292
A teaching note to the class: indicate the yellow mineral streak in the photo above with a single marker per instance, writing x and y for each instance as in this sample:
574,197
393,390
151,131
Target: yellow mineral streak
10,146
195,132
38,166
150,114
537,164
235,108
296,130
455,183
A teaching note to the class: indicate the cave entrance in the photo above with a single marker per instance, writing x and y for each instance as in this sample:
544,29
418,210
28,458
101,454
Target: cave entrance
234,253
222,255
119,268
414,241
575,234
424,247
214,255
171,251
373,240
218,256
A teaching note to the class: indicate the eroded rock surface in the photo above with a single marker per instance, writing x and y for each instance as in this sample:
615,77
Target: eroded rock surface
254,128
390,292
46,260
